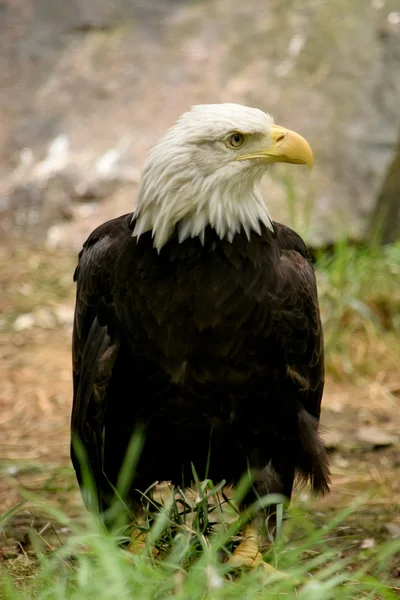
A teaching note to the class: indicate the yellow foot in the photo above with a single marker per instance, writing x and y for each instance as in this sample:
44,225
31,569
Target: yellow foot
247,555
137,543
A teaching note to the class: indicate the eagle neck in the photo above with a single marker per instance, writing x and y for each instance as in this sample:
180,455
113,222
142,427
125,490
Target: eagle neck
194,206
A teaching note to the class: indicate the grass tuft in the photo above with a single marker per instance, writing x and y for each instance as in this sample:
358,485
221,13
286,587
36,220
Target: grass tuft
360,306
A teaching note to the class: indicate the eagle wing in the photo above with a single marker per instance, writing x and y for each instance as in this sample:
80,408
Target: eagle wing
298,332
95,347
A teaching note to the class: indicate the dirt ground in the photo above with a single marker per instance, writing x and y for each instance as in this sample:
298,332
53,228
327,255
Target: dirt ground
361,425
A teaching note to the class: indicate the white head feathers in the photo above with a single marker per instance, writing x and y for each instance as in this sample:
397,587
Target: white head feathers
192,178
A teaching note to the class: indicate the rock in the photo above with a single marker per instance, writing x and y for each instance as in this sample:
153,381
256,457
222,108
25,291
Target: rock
332,439
95,189
373,436
54,237
339,461
64,315
56,199
24,321
56,158
30,208
393,529
25,289
367,544
86,210
44,319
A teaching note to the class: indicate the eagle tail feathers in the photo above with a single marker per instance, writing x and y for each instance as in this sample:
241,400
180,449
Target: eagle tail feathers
312,462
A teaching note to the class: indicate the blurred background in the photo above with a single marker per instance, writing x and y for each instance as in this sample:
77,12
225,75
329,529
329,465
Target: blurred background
86,88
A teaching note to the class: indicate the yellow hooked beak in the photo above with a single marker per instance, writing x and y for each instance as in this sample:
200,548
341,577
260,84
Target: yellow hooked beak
286,146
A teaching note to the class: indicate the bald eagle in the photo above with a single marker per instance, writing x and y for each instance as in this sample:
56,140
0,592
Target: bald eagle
197,318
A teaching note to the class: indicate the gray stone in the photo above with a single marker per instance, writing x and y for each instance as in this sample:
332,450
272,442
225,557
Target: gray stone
44,319
31,207
376,437
24,321
64,315
394,530
95,189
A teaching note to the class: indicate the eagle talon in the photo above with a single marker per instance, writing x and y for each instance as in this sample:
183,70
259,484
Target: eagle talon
247,555
138,545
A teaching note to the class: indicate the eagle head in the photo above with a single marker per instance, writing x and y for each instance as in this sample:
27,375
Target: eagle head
204,172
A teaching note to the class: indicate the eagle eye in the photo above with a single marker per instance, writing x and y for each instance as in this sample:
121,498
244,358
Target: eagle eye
235,140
